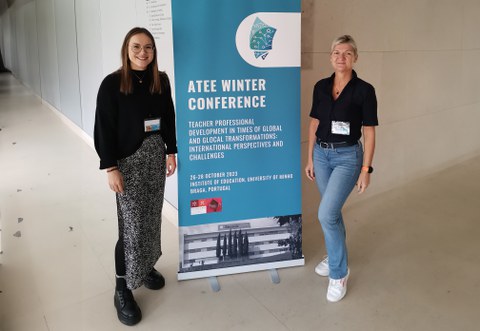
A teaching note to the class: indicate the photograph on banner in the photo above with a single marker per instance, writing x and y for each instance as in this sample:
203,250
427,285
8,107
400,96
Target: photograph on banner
237,243
237,88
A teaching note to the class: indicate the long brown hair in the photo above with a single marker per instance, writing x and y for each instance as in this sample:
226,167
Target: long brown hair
126,86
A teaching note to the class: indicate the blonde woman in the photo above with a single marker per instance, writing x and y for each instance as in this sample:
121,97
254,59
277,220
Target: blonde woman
343,107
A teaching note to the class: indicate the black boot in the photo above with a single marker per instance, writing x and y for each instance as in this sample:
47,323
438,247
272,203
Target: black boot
154,280
128,311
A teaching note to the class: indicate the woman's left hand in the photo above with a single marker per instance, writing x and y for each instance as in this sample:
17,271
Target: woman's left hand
363,182
171,164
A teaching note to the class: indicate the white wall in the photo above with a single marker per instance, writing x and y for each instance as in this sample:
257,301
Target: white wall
89,46
421,55
62,49
69,80
117,18
47,45
30,60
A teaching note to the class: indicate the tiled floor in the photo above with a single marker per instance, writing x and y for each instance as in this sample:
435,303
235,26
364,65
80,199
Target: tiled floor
414,251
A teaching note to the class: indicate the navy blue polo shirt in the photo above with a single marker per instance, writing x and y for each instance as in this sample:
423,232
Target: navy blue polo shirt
356,105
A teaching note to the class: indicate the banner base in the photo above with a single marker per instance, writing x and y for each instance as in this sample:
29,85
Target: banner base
214,284
274,276
241,269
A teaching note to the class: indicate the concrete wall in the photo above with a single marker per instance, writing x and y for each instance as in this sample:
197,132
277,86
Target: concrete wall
421,56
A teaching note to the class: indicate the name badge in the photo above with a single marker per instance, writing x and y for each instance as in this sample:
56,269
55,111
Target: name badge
152,125
342,128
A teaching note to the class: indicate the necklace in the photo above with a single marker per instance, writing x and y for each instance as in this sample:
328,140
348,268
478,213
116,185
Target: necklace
140,80
338,88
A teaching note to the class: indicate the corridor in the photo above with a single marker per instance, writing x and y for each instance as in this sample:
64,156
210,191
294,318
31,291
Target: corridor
413,251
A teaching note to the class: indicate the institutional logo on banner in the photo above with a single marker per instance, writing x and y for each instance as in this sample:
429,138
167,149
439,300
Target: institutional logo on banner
261,38
272,37
238,123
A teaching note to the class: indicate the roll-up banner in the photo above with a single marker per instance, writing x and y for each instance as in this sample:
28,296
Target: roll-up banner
237,88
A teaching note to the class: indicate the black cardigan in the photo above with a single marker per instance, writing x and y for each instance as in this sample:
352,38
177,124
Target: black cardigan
119,118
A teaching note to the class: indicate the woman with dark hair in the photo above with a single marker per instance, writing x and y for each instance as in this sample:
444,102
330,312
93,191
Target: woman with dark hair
343,108
135,139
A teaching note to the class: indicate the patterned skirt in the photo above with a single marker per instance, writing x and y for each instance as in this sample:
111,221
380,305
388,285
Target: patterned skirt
139,208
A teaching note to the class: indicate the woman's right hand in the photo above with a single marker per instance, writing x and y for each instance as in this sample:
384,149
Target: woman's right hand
309,170
115,181
312,138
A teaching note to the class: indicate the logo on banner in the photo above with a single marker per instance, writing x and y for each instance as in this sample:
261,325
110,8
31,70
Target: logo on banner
261,38
205,206
270,40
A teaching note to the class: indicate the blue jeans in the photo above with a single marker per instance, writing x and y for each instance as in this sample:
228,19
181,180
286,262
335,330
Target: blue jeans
336,172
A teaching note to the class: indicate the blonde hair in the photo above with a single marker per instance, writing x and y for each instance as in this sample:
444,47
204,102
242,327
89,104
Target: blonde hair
345,39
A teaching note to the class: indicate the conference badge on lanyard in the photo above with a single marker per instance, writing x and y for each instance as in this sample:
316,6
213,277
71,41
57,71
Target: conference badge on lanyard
342,128
152,124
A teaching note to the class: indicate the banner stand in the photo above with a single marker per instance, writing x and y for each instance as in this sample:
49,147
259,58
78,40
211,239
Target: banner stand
214,283
237,93
274,276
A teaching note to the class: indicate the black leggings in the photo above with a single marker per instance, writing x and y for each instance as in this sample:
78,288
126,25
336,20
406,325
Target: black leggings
120,268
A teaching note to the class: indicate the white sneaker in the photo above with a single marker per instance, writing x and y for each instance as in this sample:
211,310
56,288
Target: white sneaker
337,288
322,268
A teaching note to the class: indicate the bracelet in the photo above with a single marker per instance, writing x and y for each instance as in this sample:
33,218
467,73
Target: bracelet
112,169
